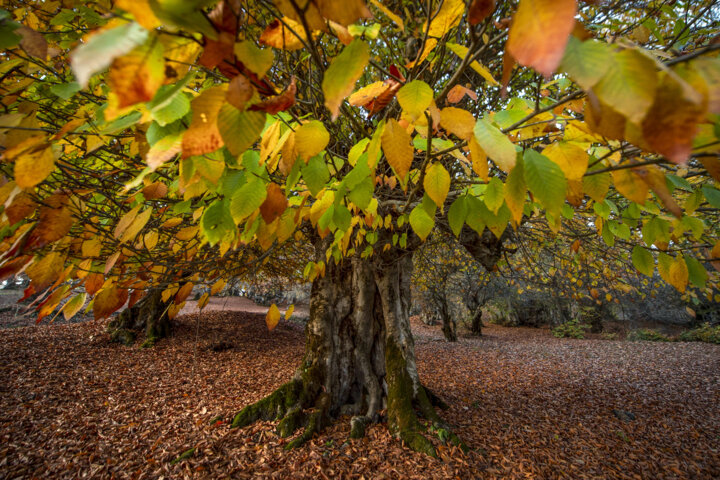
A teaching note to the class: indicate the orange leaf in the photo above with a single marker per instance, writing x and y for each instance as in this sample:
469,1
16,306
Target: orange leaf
55,222
540,32
108,301
183,293
93,283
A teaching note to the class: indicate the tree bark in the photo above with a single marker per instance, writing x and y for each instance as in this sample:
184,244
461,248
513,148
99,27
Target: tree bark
476,323
359,358
148,315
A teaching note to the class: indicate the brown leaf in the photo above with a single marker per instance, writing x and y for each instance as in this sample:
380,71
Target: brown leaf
54,223
240,90
275,203
278,103
154,191
33,42
479,10
671,123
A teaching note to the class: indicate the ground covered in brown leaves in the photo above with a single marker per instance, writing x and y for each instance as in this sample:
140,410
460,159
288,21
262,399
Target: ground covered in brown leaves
529,405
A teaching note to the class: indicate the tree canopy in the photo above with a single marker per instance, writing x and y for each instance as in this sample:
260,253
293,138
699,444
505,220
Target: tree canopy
160,144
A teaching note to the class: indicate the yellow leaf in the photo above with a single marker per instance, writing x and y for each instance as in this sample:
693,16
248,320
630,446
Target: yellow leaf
137,224
630,185
74,305
278,35
217,287
414,97
33,168
457,121
397,148
679,275
342,74
289,312
571,158
540,31
140,9
269,141
150,239
125,222
437,183
462,51
203,301
273,317
479,159
186,233
310,139
390,14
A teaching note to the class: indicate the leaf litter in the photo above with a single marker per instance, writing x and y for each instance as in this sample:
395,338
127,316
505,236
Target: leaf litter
73,405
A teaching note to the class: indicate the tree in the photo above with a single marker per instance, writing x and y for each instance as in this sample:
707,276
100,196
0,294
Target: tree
206,139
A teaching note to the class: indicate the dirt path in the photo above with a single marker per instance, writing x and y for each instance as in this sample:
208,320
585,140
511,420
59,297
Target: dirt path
529,405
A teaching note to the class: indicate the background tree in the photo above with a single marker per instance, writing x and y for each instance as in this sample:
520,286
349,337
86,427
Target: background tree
226,134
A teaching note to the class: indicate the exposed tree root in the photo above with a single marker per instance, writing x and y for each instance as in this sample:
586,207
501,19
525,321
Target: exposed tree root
359,359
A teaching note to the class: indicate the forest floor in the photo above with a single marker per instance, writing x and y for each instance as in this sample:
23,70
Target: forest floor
73,405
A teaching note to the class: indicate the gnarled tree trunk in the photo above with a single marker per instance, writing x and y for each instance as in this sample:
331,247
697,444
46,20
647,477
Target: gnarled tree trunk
359,358
148,315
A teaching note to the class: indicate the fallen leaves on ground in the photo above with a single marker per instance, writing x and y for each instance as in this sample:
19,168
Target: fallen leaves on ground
529,405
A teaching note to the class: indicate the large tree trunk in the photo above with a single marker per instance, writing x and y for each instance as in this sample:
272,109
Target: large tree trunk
359,358
148,315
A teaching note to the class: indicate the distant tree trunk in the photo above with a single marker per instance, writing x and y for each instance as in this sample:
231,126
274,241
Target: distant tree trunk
359,358
449,325
148,315
476,322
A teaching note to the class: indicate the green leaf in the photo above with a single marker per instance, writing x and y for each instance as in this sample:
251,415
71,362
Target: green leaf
315,174
696,226
494,196
495,144
239,130
65,90
248,199
362,193
586,62
712,195
457,214
257,60
174,109
597,186
696,271
545,180
102,48
217,223
415,97
342,218
643,260
421,223
344,71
